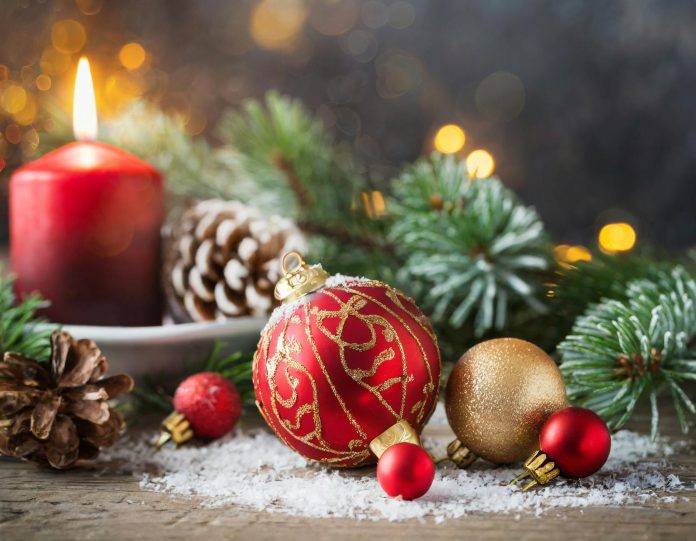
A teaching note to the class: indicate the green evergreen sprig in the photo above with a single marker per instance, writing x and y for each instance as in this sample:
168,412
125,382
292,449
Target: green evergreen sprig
293,163
236,367
470,246
18,324
623,350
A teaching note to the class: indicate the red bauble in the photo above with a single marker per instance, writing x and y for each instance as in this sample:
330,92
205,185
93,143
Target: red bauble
577,440
405,470
339,366
210,403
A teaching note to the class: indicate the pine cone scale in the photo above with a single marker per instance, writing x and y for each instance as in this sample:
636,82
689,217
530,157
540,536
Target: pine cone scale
15,397
43,416
224,259
64,415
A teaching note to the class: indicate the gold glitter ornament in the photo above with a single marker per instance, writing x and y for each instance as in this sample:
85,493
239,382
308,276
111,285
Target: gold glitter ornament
498,396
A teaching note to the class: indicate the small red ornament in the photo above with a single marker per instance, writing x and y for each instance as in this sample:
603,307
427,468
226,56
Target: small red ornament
405,470
573,441
577,439
342,361
207,405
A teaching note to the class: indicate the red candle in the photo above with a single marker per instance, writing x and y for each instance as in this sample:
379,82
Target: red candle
85,226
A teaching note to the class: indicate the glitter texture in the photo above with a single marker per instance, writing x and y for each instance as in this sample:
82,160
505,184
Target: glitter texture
498,396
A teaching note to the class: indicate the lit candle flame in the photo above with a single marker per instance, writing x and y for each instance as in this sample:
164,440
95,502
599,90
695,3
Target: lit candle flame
84,104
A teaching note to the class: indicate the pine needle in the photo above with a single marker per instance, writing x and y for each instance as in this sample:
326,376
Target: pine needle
18,321
471,248
623,351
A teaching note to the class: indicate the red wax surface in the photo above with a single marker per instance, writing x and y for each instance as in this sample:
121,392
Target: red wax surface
85,226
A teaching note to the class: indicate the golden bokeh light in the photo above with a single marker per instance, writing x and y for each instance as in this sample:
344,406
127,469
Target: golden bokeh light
578,253
560,251
373,203
54,62
132,55
617,237
480,164
566,253
28,113
43,82
14,99
449,139
4,72
275,24
68,36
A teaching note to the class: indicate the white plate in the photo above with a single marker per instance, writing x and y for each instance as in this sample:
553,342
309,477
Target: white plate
168,350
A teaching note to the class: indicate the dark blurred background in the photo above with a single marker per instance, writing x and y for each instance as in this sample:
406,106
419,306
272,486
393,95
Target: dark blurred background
587,107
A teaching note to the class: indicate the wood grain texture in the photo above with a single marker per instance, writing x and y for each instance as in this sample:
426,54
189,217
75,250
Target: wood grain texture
94,503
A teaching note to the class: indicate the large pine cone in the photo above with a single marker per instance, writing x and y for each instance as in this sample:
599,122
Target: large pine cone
57,412
223,260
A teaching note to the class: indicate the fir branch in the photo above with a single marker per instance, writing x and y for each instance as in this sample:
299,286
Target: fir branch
292,163
471,249
621,351
18,321
237,367
571,288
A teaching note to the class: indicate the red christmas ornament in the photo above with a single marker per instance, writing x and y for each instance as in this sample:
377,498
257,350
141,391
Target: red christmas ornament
573,441
342,361
577,439
207,405
405,470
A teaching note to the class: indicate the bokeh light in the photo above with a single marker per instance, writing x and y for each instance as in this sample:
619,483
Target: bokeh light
43,82
132,55
68,36
566,253
275,24
449,139
617,237
373,203
14,98
480,164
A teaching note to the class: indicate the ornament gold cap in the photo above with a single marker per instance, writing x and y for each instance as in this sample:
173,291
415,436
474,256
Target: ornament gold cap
298,279
175,427
460,454
400,432
540,467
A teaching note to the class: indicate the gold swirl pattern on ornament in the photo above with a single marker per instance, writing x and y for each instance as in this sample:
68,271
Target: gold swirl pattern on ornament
284,351
286,348
351,309
430,385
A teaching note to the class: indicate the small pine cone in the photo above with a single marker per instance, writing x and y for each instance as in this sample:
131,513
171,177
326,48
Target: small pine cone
223,260
57,412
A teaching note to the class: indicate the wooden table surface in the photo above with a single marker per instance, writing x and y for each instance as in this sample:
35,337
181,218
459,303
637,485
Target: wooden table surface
89,503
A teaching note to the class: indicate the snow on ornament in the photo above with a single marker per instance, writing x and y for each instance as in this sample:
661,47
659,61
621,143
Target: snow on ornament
345,367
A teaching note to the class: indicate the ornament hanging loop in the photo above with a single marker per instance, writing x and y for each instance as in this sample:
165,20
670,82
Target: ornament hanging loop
298,279
286,262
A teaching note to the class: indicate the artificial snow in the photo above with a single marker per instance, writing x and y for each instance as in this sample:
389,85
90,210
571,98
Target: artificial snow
253,469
